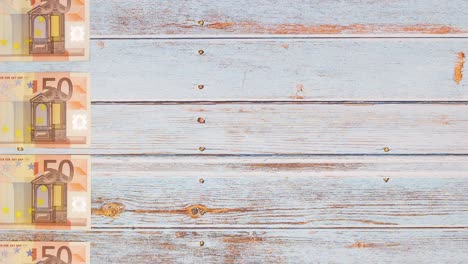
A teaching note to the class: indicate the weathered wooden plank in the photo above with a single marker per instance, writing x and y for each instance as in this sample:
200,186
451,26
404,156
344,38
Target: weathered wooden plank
266,246
224,17
253,70
145,191
276,129
374,167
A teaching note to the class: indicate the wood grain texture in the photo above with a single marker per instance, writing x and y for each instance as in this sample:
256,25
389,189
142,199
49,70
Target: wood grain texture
280,193
276,129
259,17
373,167
265,70
266,246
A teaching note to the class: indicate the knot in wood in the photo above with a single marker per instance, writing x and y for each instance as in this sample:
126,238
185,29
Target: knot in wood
112,209
196,210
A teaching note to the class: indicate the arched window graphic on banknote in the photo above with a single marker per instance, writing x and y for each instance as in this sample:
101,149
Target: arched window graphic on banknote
45,192
47,27
49,113
44,30
49,193
44,110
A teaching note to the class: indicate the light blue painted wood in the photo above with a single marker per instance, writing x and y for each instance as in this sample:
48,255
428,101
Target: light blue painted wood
266,129
225,17
266,246
281,193
307,70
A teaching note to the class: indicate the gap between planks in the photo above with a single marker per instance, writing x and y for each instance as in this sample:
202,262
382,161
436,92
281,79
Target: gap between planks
253,228
275,102
285,37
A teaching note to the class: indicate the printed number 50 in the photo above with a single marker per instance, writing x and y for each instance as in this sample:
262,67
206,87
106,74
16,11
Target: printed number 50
58,257
57,91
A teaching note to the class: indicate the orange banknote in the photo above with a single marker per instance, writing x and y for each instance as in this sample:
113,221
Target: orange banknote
29,252
44,110
44,30
50,192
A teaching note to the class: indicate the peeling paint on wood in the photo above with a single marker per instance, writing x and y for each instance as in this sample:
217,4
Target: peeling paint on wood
265,198
267,129
241,70
458,76
265,246
298,29
372,245
423,192
260,17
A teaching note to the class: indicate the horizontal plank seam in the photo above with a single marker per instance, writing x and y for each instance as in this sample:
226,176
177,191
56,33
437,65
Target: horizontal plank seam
301,158
277,102
270,37
282,228
311,155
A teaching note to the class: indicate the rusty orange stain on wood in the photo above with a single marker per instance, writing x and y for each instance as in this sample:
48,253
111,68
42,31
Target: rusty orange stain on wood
365,221
360,244
242,239
109,209
339,206
296,165
181,234
167,246
458,75
299,92
101,44
324,220
197,210
254,27
194,211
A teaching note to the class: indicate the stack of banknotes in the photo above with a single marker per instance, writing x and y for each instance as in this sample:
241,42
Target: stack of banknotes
42,111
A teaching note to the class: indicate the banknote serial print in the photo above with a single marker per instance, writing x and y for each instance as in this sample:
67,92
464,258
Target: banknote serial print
44,30
45,192
46,110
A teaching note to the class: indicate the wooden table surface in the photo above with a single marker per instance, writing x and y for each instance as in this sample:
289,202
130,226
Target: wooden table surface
275,131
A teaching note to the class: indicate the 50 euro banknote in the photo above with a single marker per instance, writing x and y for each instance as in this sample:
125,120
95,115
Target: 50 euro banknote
44,110
44,30
29,252
50,192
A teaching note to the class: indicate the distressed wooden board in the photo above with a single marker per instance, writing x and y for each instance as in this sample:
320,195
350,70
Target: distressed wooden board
224,17
280,193
266,246
275,129
374,167
265,70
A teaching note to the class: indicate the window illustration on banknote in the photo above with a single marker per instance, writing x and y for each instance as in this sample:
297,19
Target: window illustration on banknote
49,194
47,28
43,30
48,111
45,192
